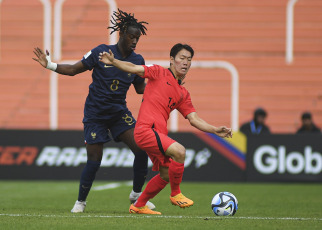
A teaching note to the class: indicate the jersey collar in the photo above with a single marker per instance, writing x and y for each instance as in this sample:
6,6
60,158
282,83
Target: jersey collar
179,81
120,53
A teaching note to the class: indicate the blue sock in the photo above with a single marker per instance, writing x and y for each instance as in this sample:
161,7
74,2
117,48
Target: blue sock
87,178
140,170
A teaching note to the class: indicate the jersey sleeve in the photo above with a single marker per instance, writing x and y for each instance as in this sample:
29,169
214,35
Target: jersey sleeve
152,71
90,59
186,107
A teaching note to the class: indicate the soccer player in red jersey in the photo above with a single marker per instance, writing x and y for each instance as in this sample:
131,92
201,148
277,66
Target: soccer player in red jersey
163,93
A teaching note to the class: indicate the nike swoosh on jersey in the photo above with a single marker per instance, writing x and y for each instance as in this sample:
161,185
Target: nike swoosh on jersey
108,66
168,83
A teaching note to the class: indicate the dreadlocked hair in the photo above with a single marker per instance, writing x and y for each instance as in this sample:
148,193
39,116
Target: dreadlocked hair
122,20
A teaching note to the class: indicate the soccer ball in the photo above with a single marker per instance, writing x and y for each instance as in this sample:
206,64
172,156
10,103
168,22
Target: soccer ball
224,204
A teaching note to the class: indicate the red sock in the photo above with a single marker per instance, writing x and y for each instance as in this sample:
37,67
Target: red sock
175,176
153,187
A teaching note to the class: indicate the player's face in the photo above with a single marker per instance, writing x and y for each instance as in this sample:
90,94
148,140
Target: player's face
181,63
260,119
307,122
130,39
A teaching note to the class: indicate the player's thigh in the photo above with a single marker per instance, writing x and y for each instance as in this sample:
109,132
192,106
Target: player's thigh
155,145
96,131
127,137
152,141
122,129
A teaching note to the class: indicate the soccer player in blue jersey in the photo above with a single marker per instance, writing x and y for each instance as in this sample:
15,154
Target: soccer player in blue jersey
105,111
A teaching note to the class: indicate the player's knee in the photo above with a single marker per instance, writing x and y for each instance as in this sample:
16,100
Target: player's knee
180,154
94,157
177,152
94,152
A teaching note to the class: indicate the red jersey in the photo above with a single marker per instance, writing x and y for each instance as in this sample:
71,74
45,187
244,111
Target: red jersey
162,94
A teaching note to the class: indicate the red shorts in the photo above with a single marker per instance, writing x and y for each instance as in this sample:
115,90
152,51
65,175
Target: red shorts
155,144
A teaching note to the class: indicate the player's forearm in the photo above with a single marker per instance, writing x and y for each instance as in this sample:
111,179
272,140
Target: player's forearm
128,67
70,69
203,126
200,124
66,69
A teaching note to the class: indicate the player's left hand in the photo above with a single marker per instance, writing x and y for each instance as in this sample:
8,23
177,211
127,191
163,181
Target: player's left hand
106,58
223,131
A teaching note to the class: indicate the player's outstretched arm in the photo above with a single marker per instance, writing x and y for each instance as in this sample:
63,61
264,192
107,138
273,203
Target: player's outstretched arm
66,69
202,125
108,59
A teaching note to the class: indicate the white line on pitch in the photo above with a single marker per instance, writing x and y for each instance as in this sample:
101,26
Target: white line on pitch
111,186
157,216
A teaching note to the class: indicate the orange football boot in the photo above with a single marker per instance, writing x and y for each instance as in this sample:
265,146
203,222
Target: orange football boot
143,210
181,201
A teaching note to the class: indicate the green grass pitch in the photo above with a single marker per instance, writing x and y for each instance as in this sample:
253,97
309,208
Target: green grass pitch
47,205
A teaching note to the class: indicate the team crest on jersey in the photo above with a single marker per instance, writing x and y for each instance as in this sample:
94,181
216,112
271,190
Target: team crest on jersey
87,54
93,135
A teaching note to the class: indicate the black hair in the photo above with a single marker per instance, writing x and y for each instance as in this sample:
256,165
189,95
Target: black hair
306,115
178,47
122,20
260,112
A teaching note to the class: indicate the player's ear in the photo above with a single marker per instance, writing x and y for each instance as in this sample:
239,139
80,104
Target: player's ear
171,60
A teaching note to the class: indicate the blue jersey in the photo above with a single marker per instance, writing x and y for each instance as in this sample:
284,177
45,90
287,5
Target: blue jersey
107,92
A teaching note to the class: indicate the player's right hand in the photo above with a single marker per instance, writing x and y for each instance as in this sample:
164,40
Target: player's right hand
106,58
223,131
41,57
